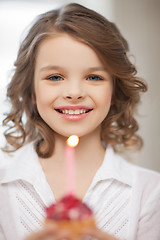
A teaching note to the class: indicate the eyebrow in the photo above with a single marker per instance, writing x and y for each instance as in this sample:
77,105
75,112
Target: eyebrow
54,67
50,67
97,69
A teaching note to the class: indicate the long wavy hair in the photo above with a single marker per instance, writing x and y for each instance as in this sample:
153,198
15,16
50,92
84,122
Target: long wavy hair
24,123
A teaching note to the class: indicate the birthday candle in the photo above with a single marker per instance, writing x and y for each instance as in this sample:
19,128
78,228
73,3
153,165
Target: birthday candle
71,143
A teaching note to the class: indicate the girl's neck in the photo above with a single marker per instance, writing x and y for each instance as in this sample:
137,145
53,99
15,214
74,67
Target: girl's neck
89,155
89,148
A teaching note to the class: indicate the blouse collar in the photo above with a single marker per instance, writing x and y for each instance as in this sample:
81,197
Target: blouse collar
116,168
26,166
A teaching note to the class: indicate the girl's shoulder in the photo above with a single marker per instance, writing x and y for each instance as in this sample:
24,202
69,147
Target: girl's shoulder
8,157
148,182
148,175
136,175
12,162
144,176
144,183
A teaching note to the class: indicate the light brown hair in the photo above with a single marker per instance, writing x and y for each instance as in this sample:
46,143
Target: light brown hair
119,127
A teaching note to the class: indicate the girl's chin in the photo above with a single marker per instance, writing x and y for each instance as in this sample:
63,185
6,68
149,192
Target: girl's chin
81,133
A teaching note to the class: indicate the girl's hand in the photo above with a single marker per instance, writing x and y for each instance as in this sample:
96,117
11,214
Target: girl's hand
98,234
50,232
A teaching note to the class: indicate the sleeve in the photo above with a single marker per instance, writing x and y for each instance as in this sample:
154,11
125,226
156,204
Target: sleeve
2,236
149,222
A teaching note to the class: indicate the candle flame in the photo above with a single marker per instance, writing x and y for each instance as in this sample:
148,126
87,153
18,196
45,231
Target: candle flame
73,141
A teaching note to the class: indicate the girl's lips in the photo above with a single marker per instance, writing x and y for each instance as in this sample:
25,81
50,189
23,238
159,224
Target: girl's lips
73,113
74,117
73,107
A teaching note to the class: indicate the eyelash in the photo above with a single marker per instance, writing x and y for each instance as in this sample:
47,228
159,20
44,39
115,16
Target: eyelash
56,78
98,78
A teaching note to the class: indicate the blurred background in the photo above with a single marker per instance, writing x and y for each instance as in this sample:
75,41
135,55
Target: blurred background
139,22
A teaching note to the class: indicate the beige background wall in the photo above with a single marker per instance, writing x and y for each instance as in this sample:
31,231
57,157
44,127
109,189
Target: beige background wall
139,22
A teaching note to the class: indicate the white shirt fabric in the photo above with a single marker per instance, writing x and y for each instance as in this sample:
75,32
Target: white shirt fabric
125,198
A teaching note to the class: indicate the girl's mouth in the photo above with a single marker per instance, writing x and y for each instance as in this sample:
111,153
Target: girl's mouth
72,113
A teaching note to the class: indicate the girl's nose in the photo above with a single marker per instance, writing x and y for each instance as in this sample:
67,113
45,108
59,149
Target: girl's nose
74,92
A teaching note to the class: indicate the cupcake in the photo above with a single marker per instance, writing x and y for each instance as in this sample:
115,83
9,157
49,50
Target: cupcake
70,213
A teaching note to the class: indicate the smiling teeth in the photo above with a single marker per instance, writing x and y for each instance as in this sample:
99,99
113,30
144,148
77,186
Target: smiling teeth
74,112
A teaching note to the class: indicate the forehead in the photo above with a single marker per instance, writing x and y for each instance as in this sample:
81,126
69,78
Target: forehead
65,49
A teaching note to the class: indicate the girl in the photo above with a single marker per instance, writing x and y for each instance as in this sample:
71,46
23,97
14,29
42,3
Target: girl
73,76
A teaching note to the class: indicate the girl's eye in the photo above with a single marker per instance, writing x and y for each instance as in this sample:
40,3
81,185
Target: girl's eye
94,78
55,78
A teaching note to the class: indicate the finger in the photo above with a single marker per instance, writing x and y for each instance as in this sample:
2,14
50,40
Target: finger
100,235
42,234
63,234
60,233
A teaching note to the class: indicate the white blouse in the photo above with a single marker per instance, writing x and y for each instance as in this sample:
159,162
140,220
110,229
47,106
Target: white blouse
125,198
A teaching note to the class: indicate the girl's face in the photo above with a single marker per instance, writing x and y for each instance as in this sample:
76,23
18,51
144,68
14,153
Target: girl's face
73,89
